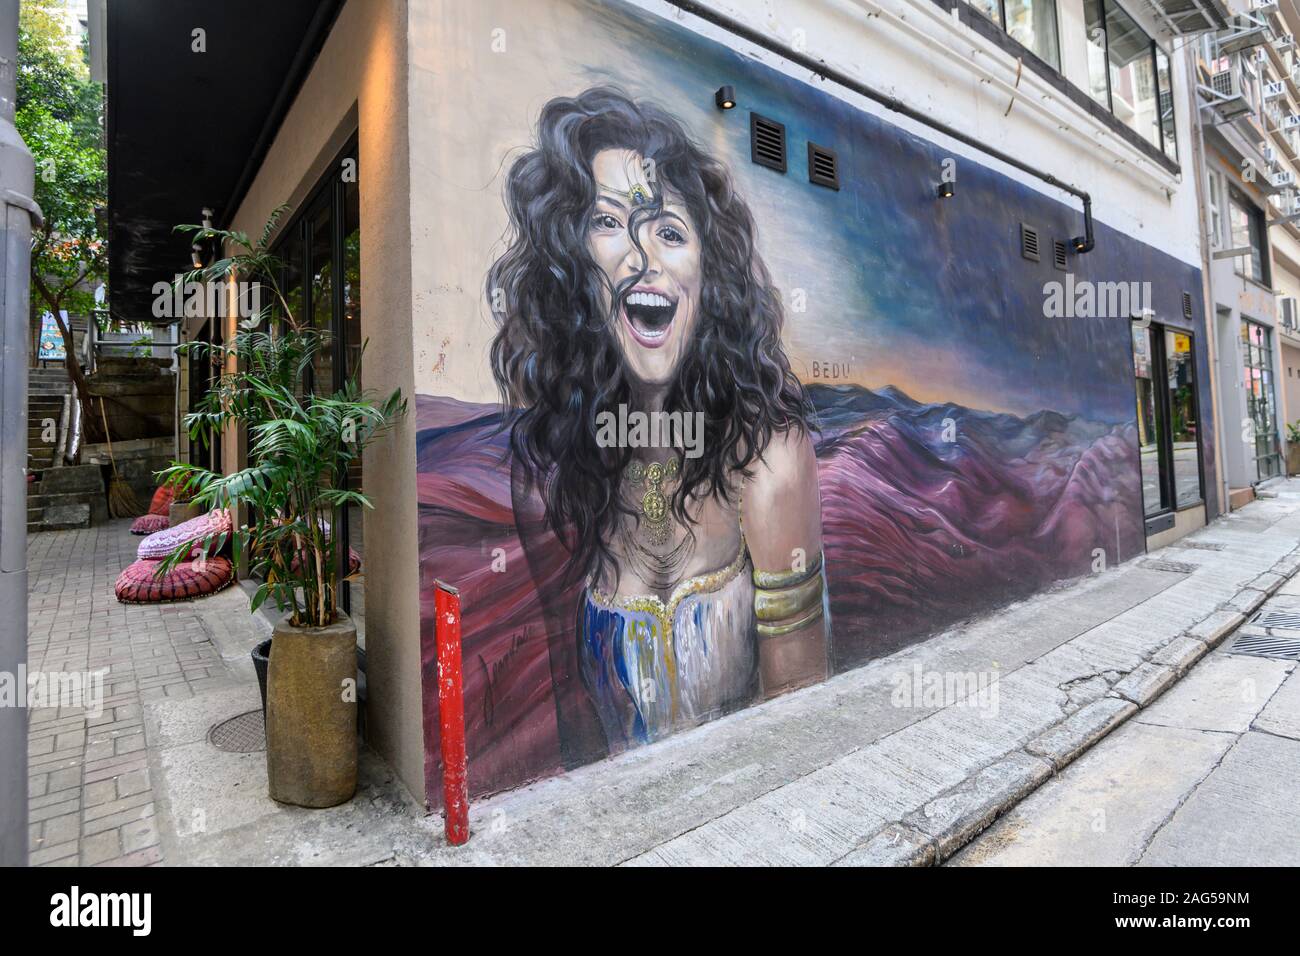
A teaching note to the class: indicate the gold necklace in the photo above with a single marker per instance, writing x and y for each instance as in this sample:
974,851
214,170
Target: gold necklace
656,519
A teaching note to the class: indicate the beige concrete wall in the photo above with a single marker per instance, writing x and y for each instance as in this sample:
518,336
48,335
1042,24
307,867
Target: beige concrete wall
359,82
1289,376
1185,522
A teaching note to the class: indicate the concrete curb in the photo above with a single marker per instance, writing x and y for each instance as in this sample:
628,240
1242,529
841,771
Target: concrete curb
951,820
936,832
1081,730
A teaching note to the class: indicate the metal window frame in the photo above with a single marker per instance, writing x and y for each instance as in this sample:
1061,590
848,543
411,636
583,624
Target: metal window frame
1166,464
1258,232
328,193
1155,73
1002,23
1270,397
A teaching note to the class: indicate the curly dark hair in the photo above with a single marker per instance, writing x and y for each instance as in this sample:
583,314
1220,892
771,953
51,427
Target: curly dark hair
555,355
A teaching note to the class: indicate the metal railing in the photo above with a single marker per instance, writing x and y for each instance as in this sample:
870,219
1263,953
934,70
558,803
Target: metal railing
109,336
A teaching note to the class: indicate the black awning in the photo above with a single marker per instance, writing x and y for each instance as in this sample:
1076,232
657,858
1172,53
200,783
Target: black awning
188,129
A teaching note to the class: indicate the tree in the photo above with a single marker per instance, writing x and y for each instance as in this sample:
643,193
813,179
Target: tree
59,116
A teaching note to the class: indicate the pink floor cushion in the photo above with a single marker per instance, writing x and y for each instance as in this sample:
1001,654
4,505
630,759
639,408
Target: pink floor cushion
189,579
162,500
149,524
163,543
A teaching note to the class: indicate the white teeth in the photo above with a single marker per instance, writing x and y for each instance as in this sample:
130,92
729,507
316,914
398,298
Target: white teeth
648,298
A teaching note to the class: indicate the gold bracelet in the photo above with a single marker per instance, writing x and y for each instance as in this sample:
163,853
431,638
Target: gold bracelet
781,604
773,580
777,630
781,596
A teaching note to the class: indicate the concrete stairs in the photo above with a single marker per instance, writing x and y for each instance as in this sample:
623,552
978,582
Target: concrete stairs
44,424
63,496
72,496
51,380
46,390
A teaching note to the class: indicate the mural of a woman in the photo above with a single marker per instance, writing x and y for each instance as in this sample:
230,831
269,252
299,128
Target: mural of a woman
692,583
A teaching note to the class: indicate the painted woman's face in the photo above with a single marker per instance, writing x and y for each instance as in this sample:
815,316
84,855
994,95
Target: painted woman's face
657,316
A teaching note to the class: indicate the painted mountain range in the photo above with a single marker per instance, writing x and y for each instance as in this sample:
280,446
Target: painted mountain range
931,513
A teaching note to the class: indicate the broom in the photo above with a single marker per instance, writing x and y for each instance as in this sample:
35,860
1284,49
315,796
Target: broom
122,502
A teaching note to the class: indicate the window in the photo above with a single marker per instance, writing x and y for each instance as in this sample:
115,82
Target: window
1164,369
1168,134
1095,27
1129,74
1031,23
1180,381
1246,225
320,249
1257,373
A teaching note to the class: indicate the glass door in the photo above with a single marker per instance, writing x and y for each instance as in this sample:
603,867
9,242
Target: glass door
321,251
1168,418
1257,372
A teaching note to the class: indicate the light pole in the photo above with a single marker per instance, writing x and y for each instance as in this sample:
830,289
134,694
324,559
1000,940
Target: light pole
18,212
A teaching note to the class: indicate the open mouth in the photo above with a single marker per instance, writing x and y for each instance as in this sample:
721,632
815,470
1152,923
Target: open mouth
649,316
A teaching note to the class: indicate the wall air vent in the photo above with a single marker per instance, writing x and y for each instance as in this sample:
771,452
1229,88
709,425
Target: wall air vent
1029,242
1058,254
823,166
1187,306
767,142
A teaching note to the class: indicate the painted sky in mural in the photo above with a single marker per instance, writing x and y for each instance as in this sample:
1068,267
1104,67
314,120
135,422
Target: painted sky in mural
932,297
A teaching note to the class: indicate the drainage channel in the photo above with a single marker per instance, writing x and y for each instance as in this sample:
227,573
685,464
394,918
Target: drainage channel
1284,646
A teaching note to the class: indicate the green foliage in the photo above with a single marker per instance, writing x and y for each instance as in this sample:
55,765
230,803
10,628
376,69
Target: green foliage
1293,432
59,113
300,444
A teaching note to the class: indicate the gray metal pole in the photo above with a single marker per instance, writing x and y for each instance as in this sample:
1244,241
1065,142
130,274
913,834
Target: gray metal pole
17,212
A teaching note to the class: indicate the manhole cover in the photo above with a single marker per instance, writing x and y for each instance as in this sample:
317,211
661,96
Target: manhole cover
1263,645
1201,545
244,734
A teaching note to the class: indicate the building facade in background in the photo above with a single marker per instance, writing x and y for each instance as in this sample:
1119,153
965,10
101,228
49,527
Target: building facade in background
1246,76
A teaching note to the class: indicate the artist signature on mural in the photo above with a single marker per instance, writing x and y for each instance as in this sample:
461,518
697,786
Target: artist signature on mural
494,670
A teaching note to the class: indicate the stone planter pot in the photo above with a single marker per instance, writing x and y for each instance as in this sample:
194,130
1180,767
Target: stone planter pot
182,511
1293,459
261,655
311,714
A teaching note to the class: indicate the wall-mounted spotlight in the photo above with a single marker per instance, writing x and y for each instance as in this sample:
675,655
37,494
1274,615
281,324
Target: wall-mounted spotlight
725,98
1086,242
945,189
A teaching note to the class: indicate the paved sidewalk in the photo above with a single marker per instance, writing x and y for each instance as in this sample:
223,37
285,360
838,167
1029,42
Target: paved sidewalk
91,797
1206,776
858,770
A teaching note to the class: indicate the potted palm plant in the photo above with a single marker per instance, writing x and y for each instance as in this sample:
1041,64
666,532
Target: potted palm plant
283,504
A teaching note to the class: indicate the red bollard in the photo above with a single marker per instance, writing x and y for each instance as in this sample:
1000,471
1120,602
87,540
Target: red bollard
451,713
